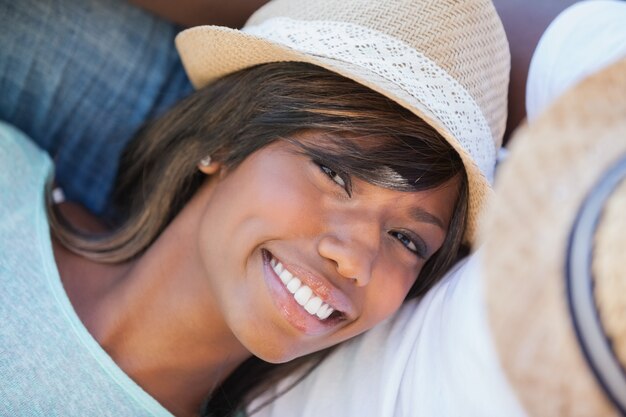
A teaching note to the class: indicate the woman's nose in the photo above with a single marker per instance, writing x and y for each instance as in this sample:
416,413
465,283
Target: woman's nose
353,256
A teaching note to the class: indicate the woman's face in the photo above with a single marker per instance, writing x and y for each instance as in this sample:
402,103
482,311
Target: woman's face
296,263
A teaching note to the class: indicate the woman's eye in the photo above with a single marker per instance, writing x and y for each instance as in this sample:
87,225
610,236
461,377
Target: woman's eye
408,243
333,175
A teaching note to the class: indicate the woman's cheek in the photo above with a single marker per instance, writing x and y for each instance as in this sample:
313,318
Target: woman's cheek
294,201
388,290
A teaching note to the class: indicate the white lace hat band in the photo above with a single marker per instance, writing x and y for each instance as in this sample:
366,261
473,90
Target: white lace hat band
407,69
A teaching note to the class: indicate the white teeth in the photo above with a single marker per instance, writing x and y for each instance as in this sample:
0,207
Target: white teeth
285,276
293,285
324,311
313,305
321,311
302,293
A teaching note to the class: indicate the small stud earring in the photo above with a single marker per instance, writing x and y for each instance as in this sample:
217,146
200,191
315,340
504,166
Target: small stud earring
206,161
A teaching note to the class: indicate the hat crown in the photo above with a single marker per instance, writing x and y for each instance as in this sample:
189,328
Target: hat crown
475,55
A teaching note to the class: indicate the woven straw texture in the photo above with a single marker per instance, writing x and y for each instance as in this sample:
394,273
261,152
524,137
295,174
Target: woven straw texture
447,61
552,166
609,250
463,37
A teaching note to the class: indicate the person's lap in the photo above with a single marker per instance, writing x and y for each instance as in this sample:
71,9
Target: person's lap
80,77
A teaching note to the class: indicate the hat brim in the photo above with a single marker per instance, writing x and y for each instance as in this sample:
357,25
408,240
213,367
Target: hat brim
211,52
553,165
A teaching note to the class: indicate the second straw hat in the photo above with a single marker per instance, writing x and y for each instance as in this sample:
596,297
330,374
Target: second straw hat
554,254
447,61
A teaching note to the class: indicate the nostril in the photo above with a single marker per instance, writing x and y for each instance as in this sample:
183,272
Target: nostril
350,259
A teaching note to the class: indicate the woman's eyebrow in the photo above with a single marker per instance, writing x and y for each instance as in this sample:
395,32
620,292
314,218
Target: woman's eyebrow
423,216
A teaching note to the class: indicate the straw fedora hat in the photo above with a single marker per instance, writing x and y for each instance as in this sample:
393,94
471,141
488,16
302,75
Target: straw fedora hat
447,61
555,241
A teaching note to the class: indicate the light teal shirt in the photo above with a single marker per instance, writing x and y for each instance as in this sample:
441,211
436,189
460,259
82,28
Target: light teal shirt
49,363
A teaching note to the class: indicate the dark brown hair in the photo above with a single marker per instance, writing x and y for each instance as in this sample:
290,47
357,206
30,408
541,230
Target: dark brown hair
240,114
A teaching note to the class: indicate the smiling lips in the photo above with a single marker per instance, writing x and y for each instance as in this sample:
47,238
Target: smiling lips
301,293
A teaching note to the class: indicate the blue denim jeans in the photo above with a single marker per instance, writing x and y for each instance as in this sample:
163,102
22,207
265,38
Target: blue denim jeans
80,77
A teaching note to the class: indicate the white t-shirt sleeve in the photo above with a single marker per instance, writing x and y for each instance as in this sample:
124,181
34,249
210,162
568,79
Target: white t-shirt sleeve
581,40
434,358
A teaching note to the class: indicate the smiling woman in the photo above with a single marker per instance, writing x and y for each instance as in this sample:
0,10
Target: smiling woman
316,218
331,163
353,134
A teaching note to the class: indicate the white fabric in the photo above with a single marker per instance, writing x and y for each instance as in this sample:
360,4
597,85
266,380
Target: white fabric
583,39
435,358
406,68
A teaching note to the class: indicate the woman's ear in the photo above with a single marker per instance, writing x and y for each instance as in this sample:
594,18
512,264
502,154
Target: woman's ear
208,166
